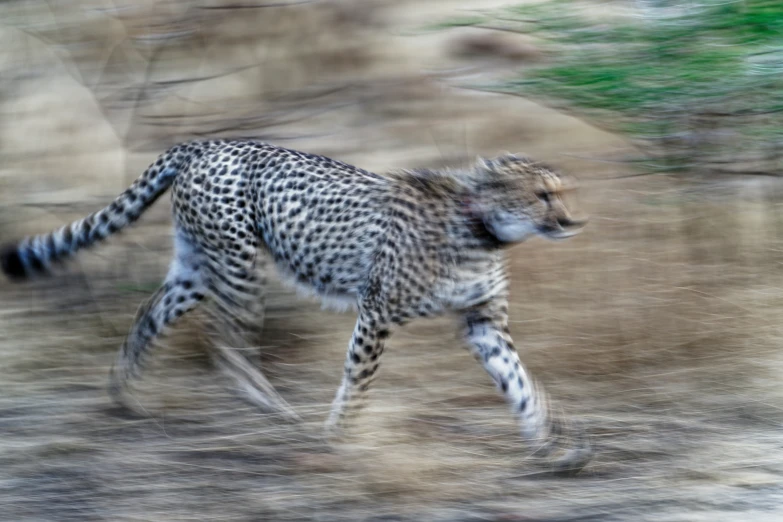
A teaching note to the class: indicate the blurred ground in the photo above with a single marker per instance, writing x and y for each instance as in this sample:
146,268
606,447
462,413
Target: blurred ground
658,328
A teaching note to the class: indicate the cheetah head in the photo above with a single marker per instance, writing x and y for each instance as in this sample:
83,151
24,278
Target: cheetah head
516,198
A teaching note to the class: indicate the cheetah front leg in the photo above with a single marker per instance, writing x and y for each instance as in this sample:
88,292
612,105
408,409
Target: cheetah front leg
487,333
361,366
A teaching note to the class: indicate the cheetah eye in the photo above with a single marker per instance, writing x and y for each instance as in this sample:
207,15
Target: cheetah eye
543,196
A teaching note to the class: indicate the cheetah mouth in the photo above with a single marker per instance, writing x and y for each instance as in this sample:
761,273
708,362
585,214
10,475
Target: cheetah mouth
559,233
563,234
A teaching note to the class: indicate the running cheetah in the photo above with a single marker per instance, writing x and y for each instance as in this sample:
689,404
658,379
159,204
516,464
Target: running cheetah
413,243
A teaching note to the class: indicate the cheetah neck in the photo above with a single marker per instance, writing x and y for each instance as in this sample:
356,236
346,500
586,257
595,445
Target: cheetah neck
452,185
475,223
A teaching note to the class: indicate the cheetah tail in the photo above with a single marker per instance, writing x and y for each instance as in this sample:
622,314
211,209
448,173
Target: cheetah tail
35,255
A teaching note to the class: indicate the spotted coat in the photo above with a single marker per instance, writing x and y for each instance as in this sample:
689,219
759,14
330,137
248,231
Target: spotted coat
393,247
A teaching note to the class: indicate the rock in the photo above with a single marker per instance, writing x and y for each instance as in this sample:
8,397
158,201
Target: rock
506,46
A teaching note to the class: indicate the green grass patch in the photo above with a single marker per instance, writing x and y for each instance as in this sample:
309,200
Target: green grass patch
698,86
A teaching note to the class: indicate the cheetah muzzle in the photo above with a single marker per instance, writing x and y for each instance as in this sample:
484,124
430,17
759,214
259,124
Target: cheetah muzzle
408,244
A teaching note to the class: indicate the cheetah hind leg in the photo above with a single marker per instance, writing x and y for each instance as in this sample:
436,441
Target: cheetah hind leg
236,314
181,292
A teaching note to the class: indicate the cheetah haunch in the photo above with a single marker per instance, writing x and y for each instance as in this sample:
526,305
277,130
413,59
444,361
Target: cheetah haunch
395,247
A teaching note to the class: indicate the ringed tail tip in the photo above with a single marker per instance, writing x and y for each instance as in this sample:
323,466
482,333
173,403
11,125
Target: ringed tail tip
11,262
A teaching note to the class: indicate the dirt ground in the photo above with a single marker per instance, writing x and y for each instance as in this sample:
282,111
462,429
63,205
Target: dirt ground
658,329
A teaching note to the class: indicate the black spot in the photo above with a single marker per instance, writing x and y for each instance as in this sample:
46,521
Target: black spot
11,263
355,358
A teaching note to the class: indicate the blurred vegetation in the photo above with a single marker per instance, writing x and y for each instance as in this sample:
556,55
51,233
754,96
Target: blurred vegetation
697,86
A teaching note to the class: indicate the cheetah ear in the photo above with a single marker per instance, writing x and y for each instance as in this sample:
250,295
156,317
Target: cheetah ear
568,183
504,158
519,158
484,163
511,157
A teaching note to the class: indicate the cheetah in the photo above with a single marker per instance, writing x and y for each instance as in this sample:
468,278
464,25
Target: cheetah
394,247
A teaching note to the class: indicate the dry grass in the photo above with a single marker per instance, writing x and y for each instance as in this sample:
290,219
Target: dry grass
658,328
